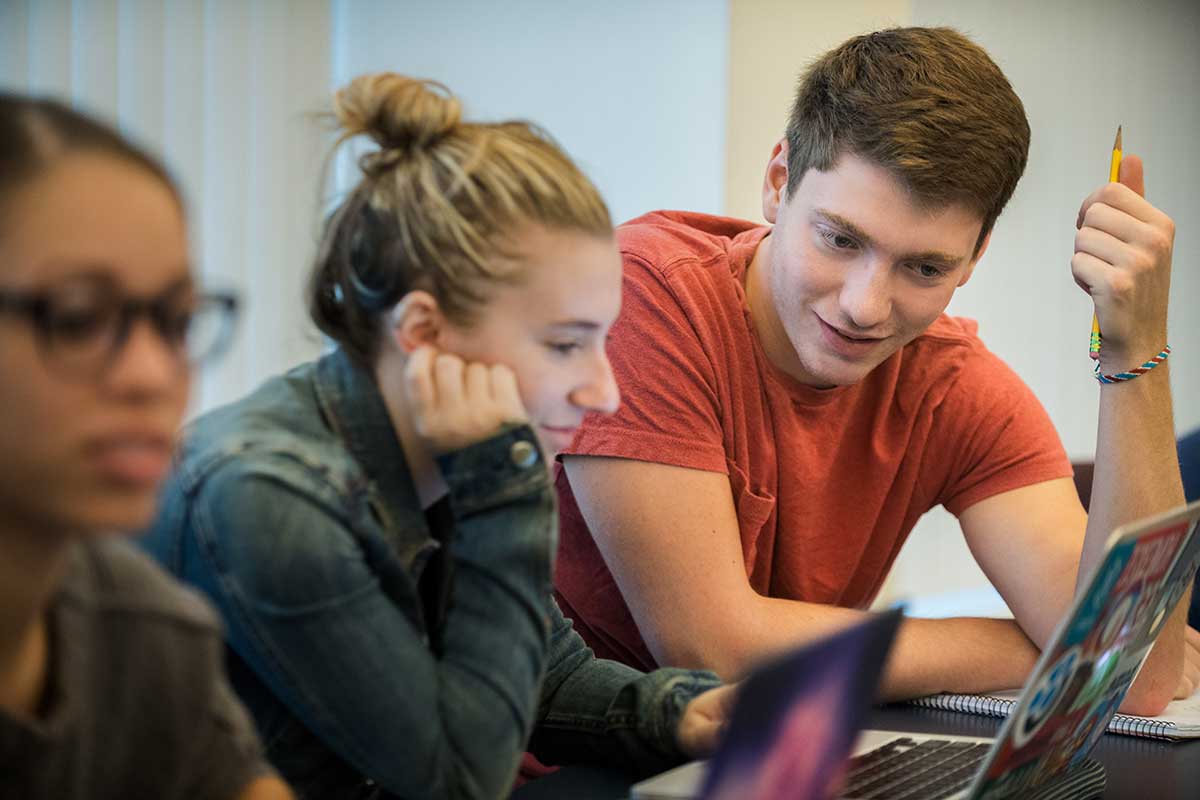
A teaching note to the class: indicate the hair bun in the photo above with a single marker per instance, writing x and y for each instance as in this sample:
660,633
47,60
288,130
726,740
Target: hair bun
396,111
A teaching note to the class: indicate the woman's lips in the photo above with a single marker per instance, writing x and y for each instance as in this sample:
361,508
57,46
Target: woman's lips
137,460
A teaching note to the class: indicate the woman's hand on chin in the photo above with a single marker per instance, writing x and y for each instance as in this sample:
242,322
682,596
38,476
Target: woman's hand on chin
456,404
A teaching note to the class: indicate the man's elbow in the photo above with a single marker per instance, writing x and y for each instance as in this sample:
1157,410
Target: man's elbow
722,652
1150,693
1145,704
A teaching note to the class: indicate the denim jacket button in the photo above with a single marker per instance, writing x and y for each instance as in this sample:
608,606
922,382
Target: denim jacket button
523,454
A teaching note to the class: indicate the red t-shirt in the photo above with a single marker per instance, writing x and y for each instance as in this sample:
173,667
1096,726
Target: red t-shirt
827,483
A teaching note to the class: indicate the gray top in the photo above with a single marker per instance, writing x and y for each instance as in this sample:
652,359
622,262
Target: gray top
137,703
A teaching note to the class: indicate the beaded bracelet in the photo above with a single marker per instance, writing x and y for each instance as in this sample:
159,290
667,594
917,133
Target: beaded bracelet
1133,373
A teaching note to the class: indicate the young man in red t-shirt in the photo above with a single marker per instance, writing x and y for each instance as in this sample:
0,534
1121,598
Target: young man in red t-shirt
794,398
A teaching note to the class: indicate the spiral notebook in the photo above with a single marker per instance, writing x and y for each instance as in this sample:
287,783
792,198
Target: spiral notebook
1180,720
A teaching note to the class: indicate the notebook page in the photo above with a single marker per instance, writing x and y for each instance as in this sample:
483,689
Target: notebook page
1183,714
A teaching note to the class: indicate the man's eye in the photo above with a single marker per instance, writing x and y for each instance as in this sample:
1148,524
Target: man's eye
838,241
563,348
929,271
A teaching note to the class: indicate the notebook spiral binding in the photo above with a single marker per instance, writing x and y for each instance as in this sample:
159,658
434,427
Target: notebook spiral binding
1001,707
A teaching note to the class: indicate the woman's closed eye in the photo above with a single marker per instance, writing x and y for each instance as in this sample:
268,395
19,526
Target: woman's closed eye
564,347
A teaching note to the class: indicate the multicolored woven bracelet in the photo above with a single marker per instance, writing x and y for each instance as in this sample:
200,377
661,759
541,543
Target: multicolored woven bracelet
1133,373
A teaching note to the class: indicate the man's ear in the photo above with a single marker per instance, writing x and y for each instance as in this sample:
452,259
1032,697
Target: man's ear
775,181
970,270
415,321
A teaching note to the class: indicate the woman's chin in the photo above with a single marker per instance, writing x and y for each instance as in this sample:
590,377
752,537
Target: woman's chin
115,517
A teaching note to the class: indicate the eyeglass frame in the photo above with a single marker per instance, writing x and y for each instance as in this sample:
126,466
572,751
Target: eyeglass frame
34,305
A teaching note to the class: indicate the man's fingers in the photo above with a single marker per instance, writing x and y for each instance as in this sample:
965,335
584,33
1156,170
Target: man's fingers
1102,245
1090,272
1192,637
1132,174
1115,222
1122,198
1191,664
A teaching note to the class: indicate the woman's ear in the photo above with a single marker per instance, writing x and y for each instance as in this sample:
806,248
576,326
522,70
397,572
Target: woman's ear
415,321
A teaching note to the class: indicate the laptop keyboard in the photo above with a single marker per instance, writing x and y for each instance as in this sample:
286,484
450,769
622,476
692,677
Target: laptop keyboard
905,768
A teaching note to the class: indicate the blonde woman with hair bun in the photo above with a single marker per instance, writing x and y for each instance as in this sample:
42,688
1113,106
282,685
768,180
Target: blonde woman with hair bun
378,527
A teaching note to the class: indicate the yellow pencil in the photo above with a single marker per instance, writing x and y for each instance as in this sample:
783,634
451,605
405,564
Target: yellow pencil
1114,174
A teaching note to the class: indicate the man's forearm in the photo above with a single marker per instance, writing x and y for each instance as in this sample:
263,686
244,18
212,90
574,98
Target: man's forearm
961,654
1123,260
1137,475
965,655
1137,470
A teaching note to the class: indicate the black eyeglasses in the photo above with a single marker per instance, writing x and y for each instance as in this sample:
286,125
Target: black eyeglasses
82,324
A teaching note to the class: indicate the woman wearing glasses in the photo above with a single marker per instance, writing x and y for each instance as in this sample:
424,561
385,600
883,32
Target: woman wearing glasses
111,682
378,527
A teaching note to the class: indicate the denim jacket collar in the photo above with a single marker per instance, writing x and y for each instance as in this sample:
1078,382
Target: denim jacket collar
350,401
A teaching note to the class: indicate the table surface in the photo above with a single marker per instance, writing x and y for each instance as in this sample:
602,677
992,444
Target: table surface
1136,769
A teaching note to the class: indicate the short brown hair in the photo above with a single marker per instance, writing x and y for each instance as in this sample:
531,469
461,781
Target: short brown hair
436,207
927,104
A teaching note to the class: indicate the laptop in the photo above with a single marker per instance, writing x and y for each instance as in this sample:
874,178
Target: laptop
1041,752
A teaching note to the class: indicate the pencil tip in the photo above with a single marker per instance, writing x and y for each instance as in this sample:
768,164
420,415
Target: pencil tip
1117,143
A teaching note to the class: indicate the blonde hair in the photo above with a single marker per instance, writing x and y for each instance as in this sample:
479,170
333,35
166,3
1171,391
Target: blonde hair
436,208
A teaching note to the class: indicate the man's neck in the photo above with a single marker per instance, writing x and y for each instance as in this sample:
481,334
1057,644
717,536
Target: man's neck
31,566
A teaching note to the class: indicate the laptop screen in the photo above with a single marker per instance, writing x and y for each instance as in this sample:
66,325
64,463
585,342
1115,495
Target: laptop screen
1083,676
796,718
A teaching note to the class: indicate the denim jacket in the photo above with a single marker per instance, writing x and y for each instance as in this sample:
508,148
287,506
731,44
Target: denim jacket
384,650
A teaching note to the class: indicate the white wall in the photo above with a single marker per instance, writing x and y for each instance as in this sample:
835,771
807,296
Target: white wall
222,90
770,43
226,91
635,91
1081,67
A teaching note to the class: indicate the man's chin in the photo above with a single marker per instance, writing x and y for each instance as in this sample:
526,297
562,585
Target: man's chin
839,374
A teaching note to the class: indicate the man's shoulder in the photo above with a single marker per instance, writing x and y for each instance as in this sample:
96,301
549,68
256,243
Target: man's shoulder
949,345
111,579
951,332
950,354
663,239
